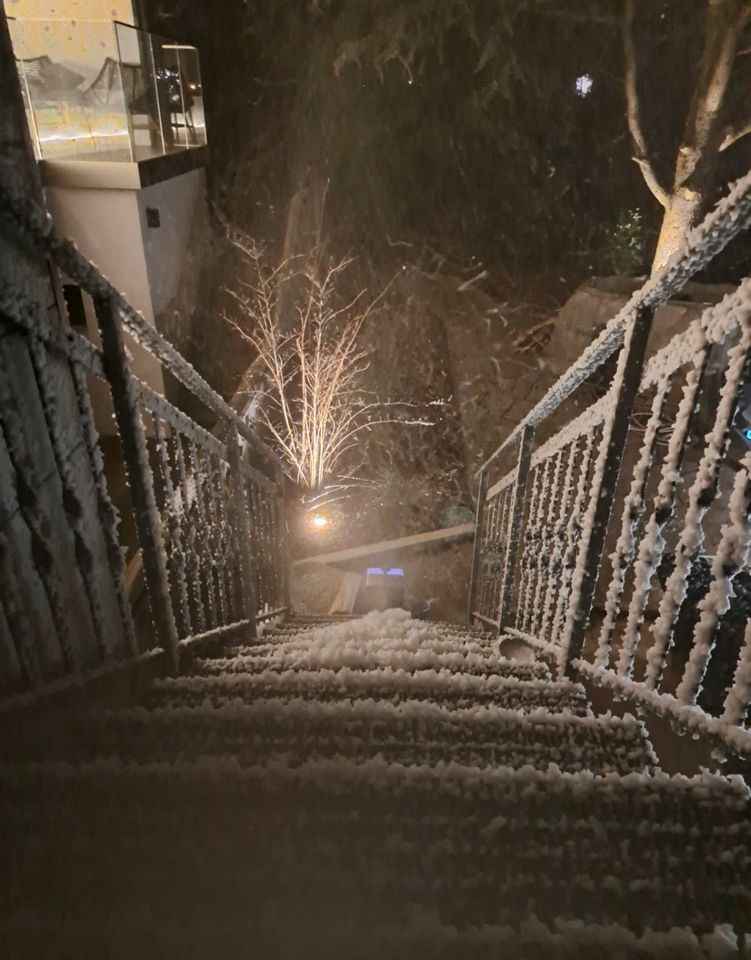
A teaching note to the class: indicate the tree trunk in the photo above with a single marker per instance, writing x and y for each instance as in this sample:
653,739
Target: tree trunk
690,193
683,210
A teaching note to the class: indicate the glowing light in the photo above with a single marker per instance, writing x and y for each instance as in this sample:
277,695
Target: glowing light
319,522
583,85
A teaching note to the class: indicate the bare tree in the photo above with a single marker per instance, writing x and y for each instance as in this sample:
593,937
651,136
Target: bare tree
706,132
313,400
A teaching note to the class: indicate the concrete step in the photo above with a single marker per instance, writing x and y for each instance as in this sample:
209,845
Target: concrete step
441,686
283,658
414,732
214,855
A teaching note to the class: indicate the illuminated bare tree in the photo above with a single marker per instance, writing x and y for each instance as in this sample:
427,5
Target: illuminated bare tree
313,400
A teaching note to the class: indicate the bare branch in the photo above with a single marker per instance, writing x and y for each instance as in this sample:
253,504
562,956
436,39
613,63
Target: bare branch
633,107
733,135
316,403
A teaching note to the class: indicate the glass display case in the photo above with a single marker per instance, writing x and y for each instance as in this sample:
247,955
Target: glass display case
104,90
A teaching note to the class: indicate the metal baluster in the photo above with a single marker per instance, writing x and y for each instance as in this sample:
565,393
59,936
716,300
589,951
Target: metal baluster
108,516
74,508
284,543
218,554
500,536
625,384
550,504
633,507
176,556
190,529
484,584
489,569
731,557
529,555
701,496
559,543
204,554
506,604
573,532
135,456
257,540
267,569
231,536
477,545
241,524
739,696
652,544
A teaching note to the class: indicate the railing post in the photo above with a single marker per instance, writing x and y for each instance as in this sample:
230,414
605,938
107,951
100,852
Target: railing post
284,543
136,458
607,468
477,545
506,604
242,530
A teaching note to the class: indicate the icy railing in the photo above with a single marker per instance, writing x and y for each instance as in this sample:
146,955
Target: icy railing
103,90
205,508
654,476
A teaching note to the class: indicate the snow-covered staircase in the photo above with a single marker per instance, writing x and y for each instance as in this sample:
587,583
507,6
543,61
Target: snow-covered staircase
376,788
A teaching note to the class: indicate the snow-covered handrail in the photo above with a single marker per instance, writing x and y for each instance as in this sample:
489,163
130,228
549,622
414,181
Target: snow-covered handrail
657,473
731,215
208,537
35,224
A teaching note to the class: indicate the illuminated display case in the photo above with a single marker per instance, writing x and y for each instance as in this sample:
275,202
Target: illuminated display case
105,90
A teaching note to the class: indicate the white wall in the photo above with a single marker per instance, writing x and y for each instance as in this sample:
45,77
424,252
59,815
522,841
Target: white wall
106,227
181,202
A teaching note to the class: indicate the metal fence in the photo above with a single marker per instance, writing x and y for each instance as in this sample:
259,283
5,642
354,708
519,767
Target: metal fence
203,511
618,543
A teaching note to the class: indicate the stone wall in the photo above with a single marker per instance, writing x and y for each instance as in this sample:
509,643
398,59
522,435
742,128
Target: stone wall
496,384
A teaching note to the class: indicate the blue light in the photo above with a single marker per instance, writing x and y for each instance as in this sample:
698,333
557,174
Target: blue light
747,434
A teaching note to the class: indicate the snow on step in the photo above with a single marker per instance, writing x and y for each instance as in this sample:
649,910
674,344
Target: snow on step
387,629
333,658
411,732
424,935
416,644
478,846
442,686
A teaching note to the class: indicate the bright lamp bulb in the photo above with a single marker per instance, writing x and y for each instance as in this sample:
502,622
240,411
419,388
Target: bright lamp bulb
318,521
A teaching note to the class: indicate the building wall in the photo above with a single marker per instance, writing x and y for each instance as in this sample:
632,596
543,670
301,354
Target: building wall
75,33
180,203
106,227
156,267
78,9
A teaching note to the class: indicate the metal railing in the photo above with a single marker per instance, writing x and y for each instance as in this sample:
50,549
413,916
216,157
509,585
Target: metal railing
652,472
206,508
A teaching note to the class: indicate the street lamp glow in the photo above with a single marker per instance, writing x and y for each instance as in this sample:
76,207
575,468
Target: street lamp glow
318,521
